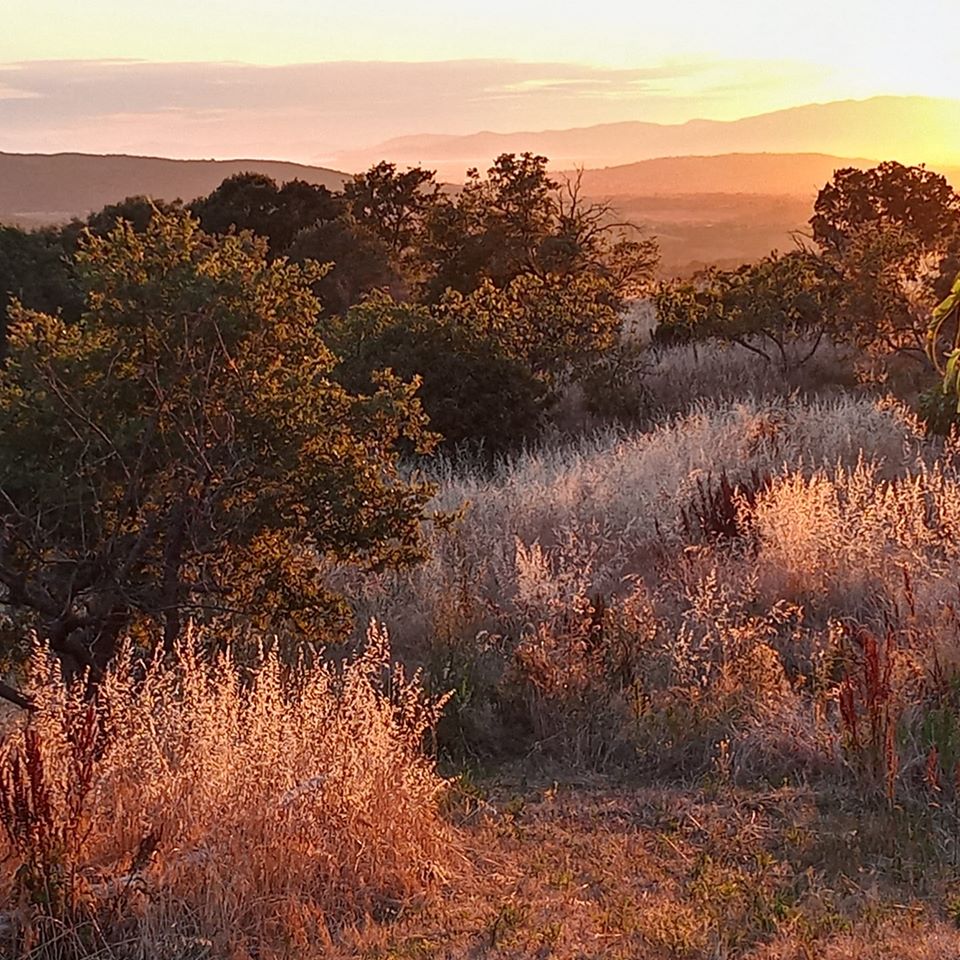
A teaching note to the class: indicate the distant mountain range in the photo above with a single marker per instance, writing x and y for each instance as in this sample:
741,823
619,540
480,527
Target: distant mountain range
909,129
38,188
703,209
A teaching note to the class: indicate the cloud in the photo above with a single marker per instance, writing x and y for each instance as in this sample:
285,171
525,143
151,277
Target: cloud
12,93
315,111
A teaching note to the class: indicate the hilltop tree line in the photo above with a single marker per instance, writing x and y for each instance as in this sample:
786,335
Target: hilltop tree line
495,294
882,251
204,406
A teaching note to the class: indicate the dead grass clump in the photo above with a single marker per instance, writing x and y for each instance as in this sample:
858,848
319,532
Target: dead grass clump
193,803
840,540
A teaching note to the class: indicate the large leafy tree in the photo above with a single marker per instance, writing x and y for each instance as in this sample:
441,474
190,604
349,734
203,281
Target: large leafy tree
557,326
763,307
254,201
893,235
492,229
916,199
393,205
359,263
183,450
303,221
517,220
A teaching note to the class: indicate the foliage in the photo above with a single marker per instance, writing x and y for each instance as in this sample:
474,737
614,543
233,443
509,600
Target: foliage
393,206
35,271
941,406
917,199
183,447
517,220
358,262
303,221
254,201
892,233
470,390
557,326
762,307
138,211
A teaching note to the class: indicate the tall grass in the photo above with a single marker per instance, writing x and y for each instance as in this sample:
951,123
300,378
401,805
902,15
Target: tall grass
577,608
196,808
609,507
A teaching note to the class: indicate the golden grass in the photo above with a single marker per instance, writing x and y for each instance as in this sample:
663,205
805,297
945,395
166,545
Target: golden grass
255,812
783,704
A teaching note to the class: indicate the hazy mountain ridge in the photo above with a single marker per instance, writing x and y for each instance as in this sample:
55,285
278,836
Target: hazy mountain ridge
888,127
49,188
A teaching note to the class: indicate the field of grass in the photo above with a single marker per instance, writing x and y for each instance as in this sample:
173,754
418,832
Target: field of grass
687,688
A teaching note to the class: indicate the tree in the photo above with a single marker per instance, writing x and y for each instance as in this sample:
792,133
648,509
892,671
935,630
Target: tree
254,201
35,269
914,198
471,391
183,449
493,228
393,206
588,238
359,263
762,307
893,234
138,211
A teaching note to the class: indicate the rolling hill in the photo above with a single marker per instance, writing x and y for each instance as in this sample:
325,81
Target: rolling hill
787,174
38,189
910,129
703,209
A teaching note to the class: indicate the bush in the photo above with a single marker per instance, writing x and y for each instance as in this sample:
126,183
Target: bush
471,392
213,462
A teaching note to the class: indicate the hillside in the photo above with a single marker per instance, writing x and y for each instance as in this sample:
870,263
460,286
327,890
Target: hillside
40,188
786,174
722,209
910,129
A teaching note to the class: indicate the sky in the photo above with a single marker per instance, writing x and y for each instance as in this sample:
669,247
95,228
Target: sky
307,79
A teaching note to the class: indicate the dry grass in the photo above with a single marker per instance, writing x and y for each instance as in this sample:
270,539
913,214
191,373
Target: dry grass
751,609
577,612
595,869
198,810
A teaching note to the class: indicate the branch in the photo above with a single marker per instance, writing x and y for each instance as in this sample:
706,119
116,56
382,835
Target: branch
12,695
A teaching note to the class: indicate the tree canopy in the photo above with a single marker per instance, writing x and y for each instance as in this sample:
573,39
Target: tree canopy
183,449
892,233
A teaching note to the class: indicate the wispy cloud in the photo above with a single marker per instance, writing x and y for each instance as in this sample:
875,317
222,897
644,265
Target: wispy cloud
314,111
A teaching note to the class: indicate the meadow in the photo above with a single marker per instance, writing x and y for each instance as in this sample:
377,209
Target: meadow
680,687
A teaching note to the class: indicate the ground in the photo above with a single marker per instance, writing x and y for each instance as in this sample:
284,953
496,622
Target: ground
565,867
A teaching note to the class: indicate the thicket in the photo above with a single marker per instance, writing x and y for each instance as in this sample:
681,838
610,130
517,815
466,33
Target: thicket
517,270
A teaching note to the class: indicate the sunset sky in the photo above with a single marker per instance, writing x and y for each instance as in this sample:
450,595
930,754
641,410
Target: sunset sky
302,80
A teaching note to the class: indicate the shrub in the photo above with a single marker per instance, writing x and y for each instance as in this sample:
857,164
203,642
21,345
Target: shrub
470,390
